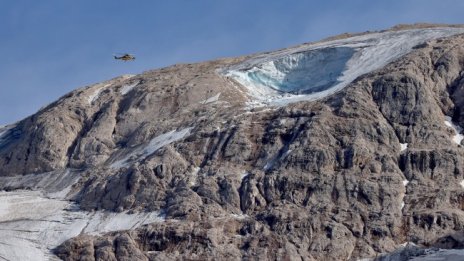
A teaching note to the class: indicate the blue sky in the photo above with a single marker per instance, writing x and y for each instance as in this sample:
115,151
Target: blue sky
50,47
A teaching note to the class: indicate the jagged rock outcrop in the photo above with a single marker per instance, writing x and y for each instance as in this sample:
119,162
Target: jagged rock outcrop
325,179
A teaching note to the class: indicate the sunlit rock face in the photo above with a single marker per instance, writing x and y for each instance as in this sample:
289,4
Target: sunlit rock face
303,73
249,158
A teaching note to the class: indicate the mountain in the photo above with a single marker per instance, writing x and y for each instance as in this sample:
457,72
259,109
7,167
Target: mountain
344,149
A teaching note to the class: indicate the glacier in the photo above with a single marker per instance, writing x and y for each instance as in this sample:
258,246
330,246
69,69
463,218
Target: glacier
304,72
315,71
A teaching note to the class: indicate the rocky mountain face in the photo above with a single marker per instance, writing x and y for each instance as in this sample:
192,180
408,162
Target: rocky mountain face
338,150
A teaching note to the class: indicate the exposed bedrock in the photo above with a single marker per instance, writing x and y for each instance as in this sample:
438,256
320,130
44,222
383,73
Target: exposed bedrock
324,180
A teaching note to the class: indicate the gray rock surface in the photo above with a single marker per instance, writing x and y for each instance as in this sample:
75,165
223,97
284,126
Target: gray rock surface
314,180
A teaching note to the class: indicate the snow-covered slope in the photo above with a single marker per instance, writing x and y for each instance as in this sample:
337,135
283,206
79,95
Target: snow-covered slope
33,222
313,71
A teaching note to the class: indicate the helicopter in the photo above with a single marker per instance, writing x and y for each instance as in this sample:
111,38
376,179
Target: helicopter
125,57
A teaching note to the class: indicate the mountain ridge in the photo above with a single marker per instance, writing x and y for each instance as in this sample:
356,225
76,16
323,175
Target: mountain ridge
349,175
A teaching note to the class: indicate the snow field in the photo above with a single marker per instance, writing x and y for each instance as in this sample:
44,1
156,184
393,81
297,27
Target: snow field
32,223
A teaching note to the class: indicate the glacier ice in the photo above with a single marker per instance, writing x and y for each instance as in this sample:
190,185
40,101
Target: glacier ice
304,72
314,71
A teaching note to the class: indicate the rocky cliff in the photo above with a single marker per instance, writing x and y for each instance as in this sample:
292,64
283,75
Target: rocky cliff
337,150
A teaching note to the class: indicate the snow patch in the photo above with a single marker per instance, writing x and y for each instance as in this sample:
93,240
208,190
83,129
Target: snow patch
127,76
314,71
96,94
457,130
286,153
462,184
194,176
269,164
155,144
127,88
55,184
412,252
244,175
4,131
406,244
31,224
212,99
448,121
405,182
403,146
240,216
281,154
440,255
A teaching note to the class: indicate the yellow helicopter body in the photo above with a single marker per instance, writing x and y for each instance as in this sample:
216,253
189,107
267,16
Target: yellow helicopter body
126,57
